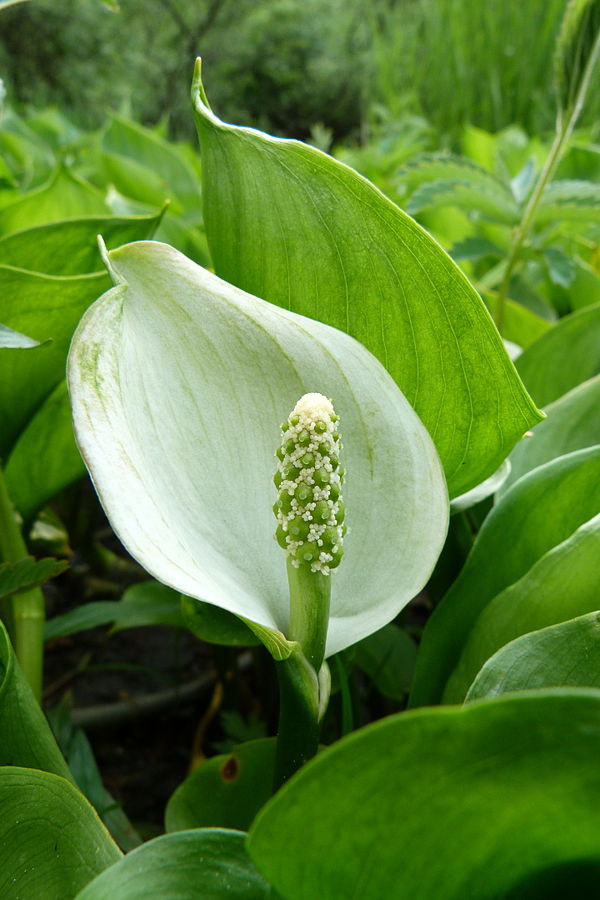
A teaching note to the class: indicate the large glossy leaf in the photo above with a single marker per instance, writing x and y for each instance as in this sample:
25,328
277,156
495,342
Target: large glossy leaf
26,738
225,791
205,864
71,247
573,422
52,843
455,803
181,451
42,306
561,585
541,510
289,224
567,654
44,459
563,357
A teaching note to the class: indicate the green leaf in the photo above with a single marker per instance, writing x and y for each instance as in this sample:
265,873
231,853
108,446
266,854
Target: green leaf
490,486
521,325
566,655
43,306
569,201
454,803
225,791
572,423
540,511
215,625
147,603
65,196
15,340
71,247
559,586
207,864
585,288
129,140
52,843
566,355
188,484
446,180
561,268
26,736
388,657
44,459
333,248
464,195
80,757
474,247
28,573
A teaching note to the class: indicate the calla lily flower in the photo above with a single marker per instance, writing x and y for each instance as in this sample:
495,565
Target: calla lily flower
179,382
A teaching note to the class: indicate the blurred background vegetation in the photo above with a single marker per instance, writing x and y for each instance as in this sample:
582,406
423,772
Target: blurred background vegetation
330,69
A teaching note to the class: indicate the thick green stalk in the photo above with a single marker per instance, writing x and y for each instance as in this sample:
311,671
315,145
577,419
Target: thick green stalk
300,688
23,613
565,126
310,594
298,732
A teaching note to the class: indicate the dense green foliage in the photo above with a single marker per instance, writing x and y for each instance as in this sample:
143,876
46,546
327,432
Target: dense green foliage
289,66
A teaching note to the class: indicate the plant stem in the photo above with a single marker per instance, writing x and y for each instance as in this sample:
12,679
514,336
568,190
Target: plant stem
310,594
24,613
299,686
298,733
564,129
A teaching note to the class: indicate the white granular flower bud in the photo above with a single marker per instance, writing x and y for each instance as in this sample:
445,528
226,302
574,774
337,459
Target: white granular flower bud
309,508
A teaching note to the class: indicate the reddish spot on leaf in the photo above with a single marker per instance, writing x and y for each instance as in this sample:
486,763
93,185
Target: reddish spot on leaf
230,769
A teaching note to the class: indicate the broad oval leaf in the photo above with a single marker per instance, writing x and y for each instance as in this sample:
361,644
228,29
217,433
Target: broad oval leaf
563,357
71,247
573,422
291,225
561,585
179,382
567,654
43,307
44,459
453,803
225,791
204,864
65,196
26,736
52,842
540,511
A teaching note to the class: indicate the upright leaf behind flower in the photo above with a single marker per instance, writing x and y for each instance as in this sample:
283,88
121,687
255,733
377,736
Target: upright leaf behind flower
179,382
294,226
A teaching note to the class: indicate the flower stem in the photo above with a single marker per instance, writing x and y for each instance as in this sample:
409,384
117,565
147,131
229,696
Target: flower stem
310,594
564,129
298,733
23,613
300,689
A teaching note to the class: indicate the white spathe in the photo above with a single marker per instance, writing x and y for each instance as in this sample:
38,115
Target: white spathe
179,383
